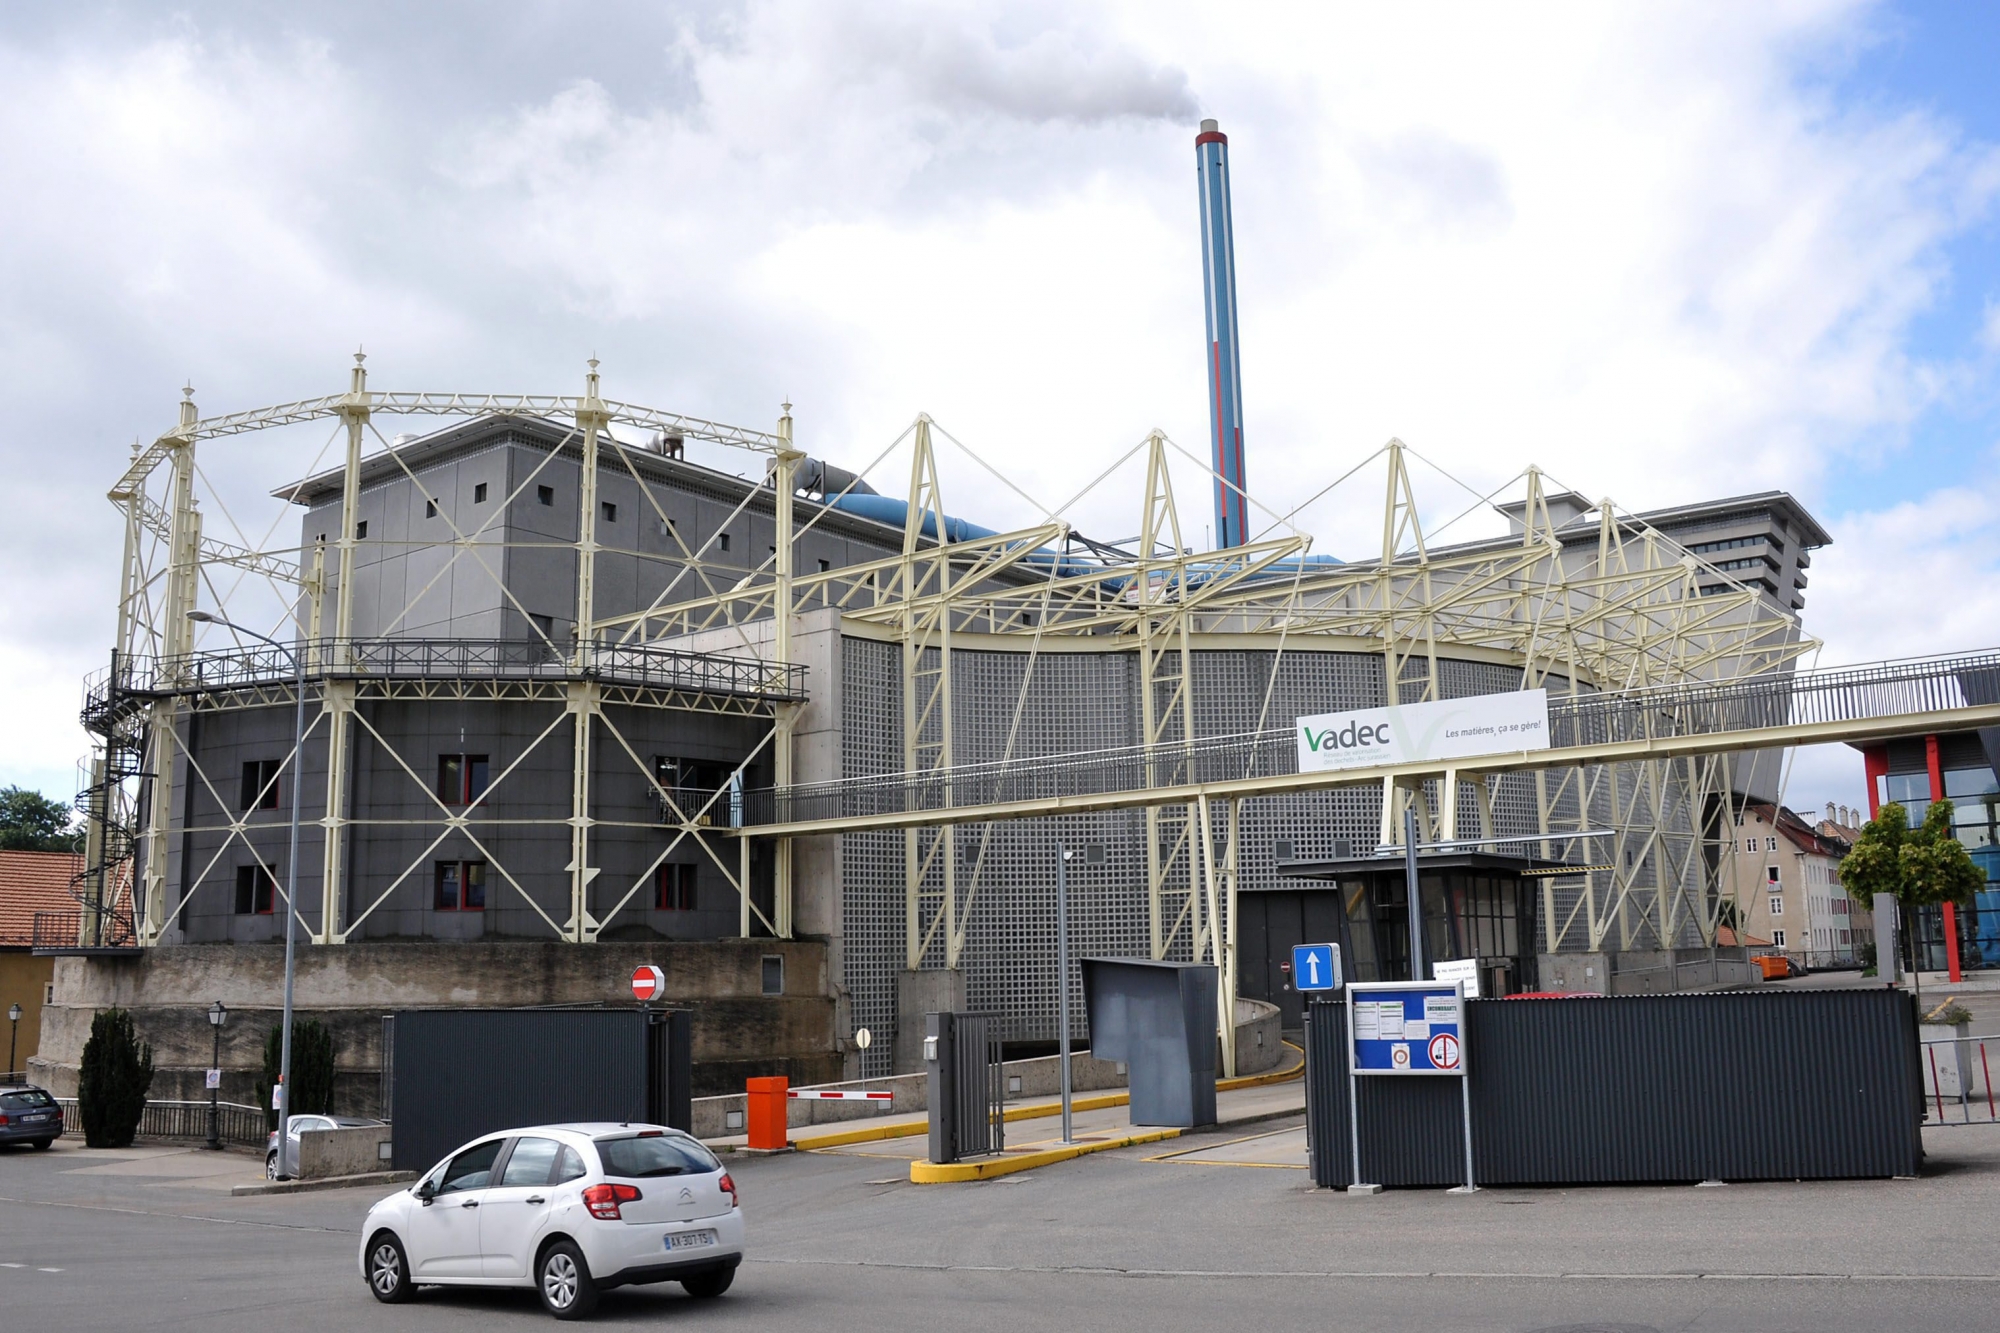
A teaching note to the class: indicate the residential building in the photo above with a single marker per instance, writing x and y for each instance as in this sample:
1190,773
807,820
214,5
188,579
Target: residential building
1786,878
30,882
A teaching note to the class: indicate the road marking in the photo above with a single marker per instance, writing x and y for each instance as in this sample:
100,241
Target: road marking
13,1265
48,1270
1393,1276
179,1217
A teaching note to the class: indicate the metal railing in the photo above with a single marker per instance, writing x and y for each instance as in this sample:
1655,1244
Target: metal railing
1958,1074
185,1120
1706,708
440,659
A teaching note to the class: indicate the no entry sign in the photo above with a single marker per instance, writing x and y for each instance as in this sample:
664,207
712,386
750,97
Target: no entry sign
648,982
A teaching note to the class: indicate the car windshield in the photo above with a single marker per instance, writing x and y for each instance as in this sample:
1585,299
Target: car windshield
641,1159
34,1099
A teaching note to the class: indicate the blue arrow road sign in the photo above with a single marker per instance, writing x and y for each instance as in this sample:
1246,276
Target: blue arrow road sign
1316,966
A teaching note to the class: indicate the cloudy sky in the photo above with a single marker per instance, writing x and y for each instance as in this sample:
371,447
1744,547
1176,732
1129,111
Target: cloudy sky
1664,252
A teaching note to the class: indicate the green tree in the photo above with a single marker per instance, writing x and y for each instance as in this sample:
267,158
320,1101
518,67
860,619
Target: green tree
116,1073
31,822
313,1052
1918,867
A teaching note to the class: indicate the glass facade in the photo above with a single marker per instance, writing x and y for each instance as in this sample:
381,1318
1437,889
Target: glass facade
1975,797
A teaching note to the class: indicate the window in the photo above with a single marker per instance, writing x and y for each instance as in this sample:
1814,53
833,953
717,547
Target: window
1777,907
654,1155
1750,845
695,778
1770,844
260,785
361,531
610,511
722,539
256,891
471,1169
531,1162
461,778
1847,937
569,1166
673,888
774,974
461,886
1771,874
479,494
430,508
1778,938
545,495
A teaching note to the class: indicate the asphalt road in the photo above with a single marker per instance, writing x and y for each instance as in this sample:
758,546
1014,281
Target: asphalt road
1111,1241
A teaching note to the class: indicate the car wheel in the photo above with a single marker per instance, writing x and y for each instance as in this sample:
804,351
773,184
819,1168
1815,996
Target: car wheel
271,1166
389,1271
709,1285
563,1279
42,1145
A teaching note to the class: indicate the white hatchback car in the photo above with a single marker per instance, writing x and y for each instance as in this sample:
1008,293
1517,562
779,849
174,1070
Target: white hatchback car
569,1210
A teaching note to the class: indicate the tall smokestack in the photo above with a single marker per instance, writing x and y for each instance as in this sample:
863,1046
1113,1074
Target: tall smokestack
1225,375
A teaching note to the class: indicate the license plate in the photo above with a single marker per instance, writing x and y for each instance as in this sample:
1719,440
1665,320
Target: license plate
690,1240
46,1115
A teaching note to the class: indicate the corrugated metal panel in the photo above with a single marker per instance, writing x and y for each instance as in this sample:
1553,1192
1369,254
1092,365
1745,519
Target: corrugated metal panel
461,1073
1731,1086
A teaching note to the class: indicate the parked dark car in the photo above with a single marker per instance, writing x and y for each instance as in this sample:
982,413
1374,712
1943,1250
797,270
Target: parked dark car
29,1115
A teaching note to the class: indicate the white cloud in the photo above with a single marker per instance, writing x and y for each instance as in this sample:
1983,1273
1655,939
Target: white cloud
1633,246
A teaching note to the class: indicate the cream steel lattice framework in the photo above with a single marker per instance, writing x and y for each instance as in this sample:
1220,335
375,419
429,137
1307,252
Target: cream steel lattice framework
1623,614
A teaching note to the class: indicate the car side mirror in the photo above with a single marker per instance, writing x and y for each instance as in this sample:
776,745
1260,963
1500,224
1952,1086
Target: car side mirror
427,1191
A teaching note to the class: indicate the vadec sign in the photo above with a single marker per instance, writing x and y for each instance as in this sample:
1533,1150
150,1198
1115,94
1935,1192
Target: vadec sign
1414,733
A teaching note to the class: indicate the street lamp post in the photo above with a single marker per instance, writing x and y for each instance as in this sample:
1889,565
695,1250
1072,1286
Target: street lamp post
13,1033
218,1014
284,1089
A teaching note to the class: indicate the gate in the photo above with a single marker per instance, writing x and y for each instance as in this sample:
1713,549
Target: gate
968,1086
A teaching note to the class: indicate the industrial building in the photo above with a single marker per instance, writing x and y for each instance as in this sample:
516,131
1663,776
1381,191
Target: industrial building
589,684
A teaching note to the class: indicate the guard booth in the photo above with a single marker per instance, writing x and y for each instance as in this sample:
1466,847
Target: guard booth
454,1074
1482,905
1159,1018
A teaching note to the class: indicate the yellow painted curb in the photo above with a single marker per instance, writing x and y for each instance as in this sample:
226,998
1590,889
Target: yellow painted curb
930,1173
841,1138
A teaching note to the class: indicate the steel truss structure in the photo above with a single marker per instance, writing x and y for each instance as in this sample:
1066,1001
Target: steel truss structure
1613,614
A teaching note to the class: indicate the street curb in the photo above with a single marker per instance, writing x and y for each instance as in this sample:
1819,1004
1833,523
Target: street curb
930,1173
328,1183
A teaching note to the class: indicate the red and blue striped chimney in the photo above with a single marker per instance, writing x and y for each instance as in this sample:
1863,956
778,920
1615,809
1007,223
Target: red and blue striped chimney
1225,375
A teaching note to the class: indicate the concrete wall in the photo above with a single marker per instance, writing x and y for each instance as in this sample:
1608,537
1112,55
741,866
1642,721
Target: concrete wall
738,1031
343,1152
1648,971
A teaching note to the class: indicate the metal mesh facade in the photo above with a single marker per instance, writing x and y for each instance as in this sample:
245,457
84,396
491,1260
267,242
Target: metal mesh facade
1083,701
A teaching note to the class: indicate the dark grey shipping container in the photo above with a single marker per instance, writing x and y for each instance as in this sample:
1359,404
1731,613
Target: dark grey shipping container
458,1073
1734,1086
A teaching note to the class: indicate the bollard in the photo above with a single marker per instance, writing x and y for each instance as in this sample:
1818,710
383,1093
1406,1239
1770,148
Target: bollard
766,1117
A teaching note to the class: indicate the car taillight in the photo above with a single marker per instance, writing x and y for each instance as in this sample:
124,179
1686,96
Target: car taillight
5,1121
729,1188
603,1200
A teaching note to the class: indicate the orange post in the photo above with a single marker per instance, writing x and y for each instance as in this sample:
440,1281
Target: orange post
766,1120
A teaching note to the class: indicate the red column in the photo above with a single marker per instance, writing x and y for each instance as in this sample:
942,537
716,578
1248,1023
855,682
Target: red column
1875,760
1950,909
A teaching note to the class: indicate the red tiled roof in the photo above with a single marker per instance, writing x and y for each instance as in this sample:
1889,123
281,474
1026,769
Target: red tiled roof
32,882
1727,937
